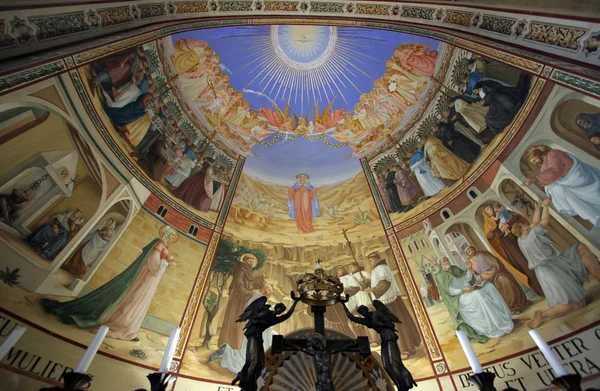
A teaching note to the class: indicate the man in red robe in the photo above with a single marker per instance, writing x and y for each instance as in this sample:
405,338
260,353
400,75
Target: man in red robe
303,203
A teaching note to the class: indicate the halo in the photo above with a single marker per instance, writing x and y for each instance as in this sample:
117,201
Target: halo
306,175
173,237
244,255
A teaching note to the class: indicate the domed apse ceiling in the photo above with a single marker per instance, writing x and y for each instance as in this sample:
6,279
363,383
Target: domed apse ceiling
311,96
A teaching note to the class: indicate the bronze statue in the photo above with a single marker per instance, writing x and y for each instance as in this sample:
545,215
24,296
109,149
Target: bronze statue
382,321
260,317
322,358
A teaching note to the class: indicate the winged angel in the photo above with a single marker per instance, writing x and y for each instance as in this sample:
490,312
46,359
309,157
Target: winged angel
259,317
382,320
288,121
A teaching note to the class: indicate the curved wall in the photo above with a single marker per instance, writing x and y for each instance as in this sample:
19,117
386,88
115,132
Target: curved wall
182,294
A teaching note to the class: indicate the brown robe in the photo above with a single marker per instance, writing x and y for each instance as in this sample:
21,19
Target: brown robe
507,285
75,265
507,248
242,288
433,292
336,319
408,333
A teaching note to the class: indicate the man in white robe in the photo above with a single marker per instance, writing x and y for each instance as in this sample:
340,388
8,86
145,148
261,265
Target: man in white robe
385,289
482,308
234,359
561,275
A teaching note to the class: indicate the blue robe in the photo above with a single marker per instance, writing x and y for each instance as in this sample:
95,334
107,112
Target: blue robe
47,243
474,78
127,114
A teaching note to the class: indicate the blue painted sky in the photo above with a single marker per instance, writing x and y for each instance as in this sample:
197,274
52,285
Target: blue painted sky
308,64
280,163
365,49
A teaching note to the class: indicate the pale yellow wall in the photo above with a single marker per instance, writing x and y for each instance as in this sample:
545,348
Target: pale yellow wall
175,287
86,196
50,135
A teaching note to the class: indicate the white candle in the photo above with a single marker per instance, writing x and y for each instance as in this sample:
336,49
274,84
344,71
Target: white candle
469,352
170,350
550,357
11,340
87,358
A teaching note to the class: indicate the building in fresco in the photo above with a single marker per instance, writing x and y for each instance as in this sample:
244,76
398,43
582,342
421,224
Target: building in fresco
165,164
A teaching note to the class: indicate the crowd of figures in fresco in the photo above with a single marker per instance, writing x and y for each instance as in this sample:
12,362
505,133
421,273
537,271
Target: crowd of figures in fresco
483,297
491,95
182,162
201,75
246,286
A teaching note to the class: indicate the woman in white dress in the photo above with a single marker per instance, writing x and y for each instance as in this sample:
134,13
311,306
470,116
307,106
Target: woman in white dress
561,275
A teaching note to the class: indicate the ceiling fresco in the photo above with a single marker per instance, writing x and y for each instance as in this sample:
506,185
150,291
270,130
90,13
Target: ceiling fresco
341,88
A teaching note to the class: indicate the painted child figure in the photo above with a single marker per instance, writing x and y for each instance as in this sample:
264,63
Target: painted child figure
502,216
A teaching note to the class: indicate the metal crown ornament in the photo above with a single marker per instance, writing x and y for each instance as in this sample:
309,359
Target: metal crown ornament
319,288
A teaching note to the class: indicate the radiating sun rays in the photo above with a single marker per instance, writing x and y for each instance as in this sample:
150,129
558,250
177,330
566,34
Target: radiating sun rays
304,65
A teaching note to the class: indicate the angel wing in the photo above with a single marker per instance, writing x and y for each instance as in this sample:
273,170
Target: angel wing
383,315
289,110
280,116
253,309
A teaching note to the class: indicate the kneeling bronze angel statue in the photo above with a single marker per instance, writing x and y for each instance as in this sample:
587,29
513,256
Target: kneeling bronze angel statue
260,317
382,320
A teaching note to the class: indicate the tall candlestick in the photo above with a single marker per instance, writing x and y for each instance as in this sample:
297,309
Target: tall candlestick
170,350
11,340
547,352
469,352
87,358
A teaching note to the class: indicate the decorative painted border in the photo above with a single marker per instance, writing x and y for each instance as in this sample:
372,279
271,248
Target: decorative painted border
415,299
519,62
36,73
187,320
233,182
88,20
103,51
387,223
576,82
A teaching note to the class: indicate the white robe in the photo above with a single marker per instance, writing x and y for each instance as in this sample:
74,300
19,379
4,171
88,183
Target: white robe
561,276
130,95
380,273
234,359
362,297
217,199
93,248
181,174
578,192
430,184
484,309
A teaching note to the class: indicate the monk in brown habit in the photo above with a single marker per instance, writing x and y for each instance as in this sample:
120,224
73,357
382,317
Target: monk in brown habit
385,289
243,286
486,267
